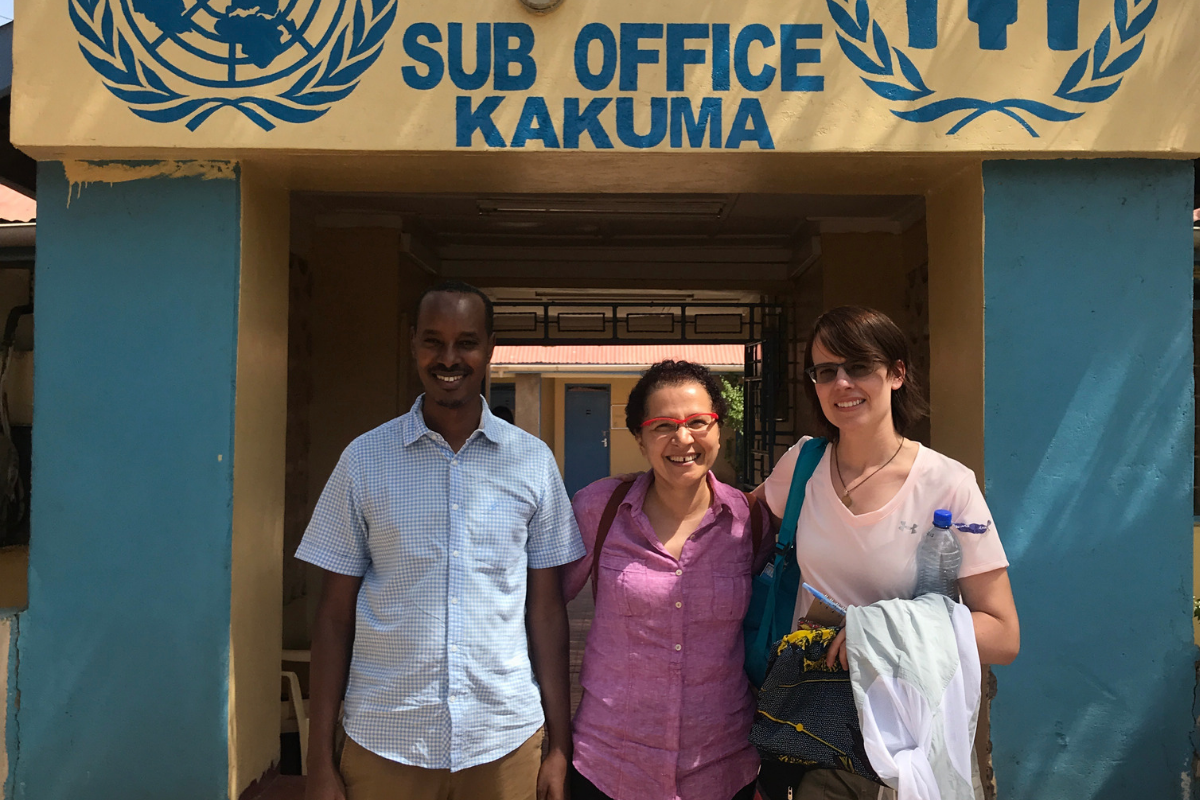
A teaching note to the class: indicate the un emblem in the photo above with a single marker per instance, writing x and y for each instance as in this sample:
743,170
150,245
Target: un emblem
1093,77
271,60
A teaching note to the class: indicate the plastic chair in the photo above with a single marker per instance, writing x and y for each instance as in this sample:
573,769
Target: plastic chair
297,701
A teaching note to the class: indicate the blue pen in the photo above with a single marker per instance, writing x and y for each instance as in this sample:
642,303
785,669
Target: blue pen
825,599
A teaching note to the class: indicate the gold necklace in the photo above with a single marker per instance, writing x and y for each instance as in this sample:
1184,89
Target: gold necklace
846,501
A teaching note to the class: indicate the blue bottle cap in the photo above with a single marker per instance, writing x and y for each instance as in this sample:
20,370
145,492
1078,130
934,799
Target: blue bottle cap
942,518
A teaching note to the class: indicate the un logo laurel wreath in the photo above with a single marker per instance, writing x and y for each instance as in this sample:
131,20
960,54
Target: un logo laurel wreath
333,77
905,83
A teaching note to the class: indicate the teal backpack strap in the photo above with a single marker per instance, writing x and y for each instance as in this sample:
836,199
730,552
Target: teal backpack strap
787,572
773,597
806,465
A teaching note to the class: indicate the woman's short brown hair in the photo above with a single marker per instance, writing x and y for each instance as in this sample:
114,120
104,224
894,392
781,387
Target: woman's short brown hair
864,334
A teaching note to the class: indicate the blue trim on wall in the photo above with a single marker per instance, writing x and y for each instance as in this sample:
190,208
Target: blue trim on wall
124,649
1089,448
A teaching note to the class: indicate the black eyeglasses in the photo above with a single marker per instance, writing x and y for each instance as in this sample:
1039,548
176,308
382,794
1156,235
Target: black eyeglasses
827,373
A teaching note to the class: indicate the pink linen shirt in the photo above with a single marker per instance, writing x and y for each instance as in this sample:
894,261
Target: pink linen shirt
666,709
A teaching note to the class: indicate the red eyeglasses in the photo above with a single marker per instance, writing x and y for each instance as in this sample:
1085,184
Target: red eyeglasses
697,424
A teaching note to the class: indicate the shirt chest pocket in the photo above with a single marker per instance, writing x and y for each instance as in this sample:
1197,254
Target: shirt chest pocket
638,590
730,595
498,536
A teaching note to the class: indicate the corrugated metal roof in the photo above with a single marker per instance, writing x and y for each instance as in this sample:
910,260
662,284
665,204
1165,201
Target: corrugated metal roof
620,355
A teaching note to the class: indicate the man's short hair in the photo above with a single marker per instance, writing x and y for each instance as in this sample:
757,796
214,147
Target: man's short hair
459,287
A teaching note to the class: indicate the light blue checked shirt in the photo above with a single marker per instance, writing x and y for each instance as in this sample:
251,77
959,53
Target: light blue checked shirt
440,677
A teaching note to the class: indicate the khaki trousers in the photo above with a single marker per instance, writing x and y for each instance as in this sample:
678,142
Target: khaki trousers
832,784
372,777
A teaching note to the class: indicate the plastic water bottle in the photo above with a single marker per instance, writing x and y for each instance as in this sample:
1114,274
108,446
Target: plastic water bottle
939,557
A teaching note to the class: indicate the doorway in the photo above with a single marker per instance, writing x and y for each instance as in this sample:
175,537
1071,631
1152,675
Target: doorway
587,411
585,272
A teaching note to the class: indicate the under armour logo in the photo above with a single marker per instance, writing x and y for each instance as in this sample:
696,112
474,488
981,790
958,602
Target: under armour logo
993,18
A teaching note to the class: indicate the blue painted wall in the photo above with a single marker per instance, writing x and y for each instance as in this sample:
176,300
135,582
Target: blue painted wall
1089,447
124,648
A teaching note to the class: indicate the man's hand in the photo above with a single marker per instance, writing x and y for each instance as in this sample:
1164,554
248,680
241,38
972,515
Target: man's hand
549,649
324,784
333,642
552,777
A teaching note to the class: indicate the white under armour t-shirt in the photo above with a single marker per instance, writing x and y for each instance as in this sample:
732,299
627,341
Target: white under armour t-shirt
858,560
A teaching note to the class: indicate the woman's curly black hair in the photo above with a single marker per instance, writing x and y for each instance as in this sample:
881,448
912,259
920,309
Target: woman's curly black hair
672,373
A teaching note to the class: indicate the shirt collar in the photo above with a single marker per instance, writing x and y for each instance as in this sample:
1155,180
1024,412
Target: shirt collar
414,426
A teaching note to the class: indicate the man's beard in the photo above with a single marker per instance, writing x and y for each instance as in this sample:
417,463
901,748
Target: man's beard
452,404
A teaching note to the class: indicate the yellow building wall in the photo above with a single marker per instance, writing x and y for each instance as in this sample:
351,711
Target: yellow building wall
550,417
360,316
623,453
865,269
14,577
363,297
255,636
560,415
1196,577
955,227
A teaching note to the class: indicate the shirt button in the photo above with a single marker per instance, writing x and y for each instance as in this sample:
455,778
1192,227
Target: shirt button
454,601
678,647
453,552
454,462
454,648
454,506
679,605
678,572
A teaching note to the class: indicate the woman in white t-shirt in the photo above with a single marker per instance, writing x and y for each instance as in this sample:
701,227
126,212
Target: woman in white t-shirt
872,497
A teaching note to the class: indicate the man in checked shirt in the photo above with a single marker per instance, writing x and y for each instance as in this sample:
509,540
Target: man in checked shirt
440,534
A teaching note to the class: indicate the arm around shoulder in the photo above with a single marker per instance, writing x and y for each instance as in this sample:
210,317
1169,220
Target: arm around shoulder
587,506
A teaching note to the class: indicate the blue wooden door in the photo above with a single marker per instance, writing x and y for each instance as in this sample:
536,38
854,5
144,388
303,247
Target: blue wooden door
586,445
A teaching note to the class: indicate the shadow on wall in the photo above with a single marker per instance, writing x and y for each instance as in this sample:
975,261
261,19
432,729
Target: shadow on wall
1096,463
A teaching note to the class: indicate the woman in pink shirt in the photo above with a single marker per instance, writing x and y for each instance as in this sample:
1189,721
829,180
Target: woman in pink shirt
868,503
667,709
